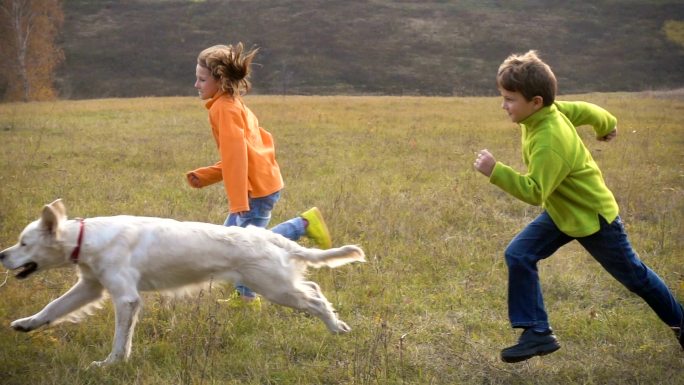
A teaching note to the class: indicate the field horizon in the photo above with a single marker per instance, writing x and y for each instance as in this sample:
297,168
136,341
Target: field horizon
391,174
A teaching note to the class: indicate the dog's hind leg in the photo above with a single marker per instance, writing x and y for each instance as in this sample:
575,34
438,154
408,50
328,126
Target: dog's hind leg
307,296
81,294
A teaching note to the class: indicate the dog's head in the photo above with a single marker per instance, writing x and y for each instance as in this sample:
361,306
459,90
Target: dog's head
39,245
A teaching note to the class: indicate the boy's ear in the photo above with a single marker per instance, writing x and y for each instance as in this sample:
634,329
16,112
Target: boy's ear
538,102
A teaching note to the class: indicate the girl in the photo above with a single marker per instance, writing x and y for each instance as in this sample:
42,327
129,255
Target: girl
247,164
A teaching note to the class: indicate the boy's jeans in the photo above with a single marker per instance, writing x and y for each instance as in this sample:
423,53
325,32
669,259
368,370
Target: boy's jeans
259,215
609,246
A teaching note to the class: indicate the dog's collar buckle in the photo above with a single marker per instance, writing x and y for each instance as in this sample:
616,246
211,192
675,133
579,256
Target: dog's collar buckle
77,250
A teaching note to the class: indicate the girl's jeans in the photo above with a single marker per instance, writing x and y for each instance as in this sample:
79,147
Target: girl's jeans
259,215
609,246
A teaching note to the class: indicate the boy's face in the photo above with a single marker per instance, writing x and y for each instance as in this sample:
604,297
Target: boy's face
517,107
205,84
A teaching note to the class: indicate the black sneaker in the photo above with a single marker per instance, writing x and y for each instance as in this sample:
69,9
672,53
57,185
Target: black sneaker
531,344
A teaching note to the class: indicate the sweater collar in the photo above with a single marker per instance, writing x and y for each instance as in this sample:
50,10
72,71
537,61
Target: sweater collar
541,114
218,96
213,99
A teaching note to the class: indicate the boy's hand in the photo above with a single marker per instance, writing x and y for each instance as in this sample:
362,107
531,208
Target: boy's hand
485,162
610,136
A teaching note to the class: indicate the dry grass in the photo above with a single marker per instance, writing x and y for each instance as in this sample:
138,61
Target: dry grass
391,174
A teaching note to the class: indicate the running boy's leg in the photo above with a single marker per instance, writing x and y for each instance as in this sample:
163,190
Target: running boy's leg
537,241
612,249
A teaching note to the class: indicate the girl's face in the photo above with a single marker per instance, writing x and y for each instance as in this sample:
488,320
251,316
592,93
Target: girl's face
207,86
517,107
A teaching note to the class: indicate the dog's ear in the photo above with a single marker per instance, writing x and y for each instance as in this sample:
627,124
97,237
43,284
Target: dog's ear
59,207
53,216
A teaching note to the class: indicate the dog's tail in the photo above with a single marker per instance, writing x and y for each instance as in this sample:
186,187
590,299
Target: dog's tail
316,257
332,257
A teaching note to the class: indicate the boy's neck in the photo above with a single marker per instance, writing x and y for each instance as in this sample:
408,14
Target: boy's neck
532,118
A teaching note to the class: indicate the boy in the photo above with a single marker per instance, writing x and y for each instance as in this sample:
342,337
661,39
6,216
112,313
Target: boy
563,178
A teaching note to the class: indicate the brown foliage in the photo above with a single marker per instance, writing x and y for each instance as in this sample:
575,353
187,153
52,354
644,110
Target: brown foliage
28,52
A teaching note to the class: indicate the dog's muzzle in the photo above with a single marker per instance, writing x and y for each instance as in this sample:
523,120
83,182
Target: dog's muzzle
26,270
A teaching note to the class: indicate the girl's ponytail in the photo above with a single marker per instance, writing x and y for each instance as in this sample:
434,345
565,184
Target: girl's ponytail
230,65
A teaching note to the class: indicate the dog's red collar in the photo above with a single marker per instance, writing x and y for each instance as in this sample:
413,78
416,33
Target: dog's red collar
77,250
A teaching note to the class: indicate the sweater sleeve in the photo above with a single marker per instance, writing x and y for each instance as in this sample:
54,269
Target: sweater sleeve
207,175
545,173
233,150
583,113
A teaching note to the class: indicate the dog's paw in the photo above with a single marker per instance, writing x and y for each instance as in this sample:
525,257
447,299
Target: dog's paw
97,364
111,359
342,328
23,325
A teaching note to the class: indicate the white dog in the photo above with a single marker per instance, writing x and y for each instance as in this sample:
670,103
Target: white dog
125,255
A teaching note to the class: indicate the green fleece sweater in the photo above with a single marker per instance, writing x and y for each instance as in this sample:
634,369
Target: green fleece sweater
561,175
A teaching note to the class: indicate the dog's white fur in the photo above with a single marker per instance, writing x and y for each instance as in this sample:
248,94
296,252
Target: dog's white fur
124,255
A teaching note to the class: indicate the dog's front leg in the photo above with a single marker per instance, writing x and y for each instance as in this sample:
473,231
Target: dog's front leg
81,294
126,309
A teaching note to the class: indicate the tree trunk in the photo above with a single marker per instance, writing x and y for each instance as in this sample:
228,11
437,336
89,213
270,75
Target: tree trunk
31,23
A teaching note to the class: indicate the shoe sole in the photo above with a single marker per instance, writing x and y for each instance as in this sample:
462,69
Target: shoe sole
539,351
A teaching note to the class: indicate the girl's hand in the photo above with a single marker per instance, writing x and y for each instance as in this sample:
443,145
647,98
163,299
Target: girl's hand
485,162
194,180
610,136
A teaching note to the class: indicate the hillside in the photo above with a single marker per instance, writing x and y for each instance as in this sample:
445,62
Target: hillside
148,47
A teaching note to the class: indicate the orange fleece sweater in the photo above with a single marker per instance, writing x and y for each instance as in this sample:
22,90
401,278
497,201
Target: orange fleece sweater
248,166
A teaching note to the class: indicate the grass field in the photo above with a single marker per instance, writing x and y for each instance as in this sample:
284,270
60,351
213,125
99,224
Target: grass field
391,174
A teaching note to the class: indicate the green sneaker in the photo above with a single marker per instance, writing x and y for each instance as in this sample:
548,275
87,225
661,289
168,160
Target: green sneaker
236,301
317,231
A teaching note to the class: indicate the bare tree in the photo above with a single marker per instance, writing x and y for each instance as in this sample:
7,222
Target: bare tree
28,53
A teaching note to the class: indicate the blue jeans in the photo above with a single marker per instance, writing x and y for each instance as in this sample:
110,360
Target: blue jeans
609,246
259,215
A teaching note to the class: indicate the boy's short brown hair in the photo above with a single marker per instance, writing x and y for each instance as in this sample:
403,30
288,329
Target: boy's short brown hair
529,75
